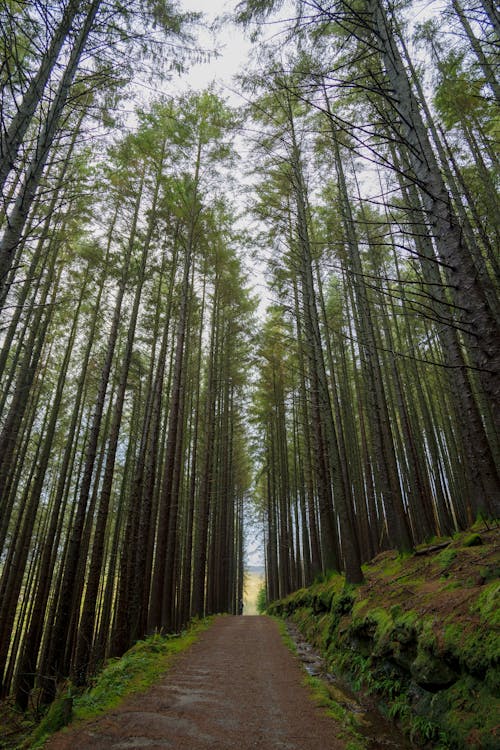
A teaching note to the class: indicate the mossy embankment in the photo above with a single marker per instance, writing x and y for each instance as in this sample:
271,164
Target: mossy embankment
422,633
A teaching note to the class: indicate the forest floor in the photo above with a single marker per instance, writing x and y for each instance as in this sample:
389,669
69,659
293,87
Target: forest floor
238,687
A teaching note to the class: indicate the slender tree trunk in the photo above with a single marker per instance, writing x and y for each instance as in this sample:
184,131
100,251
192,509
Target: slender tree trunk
27,191
27,666
57,664
329,440
206,480
12,136
489,72
87,619
472,305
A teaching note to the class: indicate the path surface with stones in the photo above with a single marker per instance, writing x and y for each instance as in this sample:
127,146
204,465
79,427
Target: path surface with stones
237,688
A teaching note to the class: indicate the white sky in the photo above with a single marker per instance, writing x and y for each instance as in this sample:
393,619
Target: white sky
229,41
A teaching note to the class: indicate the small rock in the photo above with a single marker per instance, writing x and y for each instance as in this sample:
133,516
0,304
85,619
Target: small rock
473,540
432,673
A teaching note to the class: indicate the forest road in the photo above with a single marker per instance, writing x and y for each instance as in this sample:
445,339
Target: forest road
237,688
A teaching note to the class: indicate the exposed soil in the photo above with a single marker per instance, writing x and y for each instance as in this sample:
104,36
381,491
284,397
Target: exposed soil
237,688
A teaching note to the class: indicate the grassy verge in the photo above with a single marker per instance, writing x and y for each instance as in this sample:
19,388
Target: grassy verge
134,672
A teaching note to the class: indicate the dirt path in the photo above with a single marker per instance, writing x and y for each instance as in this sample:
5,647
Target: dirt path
237,688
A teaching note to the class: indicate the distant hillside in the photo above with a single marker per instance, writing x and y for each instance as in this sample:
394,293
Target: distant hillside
257,569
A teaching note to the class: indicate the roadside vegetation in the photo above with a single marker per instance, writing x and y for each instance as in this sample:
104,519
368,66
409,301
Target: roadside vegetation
138,669
420,635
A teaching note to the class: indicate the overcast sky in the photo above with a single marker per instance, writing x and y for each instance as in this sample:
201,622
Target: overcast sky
229,41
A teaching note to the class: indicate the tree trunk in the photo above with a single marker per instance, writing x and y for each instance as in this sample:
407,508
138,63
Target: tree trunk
12,136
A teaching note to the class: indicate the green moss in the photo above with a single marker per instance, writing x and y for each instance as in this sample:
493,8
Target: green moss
392,567
344,601
453,585
468,713
475,650
429,654
287,640
389,630
445,558
427,634
489,573
359,608
488,604
472,540
59,715
324,697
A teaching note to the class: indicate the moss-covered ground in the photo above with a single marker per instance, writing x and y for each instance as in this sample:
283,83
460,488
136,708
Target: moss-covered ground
422,633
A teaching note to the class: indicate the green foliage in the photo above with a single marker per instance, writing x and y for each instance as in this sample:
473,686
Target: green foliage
323,696
435,671
59,715
285,635
399,708
468,715
423,731
262,600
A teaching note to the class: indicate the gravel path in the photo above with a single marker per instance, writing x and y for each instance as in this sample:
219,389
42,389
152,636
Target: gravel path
237,688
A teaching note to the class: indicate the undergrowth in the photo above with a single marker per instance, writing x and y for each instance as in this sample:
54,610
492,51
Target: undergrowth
262,599
344,718
421,635
134,672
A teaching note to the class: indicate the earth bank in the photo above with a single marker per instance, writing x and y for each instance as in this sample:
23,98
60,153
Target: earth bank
422,633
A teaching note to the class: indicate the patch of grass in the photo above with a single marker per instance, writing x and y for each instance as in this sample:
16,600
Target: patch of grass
134,672
446,558
285,635
323,698
453,585
391,567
